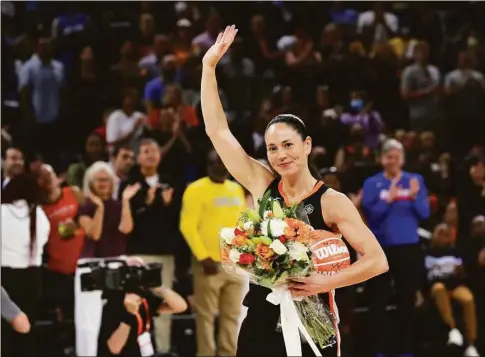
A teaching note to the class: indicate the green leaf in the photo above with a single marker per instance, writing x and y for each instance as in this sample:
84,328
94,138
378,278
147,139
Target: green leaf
264,203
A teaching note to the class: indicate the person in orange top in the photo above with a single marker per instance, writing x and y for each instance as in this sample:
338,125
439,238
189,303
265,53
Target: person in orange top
173,97
65,241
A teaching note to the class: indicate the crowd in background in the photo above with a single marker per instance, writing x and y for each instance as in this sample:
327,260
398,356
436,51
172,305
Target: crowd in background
119,87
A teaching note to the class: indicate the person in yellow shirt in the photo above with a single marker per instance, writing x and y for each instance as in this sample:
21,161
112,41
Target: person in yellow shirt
208,205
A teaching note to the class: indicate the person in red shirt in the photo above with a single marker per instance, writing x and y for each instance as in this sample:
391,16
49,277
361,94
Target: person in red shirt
66,239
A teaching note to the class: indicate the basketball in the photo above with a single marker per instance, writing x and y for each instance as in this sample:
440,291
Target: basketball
329,253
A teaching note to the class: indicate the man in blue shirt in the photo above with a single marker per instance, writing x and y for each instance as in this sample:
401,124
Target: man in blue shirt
394,202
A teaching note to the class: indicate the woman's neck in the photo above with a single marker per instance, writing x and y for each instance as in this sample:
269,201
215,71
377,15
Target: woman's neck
54,195
299,185
392,175
148,171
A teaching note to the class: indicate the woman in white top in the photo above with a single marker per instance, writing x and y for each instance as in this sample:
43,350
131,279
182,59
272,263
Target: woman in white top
25,230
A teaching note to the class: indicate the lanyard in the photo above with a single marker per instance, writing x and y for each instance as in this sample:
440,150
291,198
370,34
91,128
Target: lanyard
140,320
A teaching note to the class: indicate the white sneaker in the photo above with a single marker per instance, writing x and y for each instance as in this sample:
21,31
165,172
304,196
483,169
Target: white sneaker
455,337
471,351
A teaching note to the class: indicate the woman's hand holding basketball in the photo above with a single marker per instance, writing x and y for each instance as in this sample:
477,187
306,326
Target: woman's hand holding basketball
218,49
310,285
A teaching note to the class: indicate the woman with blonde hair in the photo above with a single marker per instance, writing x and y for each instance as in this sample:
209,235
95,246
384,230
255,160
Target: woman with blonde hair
107,223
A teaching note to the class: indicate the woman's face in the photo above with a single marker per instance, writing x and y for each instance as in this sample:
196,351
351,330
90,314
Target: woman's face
287,152
47,178
451,214
102,184
94,146
442,237
392,161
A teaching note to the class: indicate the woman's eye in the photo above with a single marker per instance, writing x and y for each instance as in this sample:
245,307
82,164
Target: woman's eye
288,145
271,149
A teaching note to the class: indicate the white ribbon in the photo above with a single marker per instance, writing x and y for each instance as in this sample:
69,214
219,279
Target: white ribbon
291,324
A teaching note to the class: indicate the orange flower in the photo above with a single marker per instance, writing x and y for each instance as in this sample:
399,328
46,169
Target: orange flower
290,232
225,255
240,241
263,251
264,265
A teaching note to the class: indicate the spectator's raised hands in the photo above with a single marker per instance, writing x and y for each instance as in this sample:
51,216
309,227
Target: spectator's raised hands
218,49
130,191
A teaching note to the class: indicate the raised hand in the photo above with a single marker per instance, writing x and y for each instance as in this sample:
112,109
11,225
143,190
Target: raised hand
130,191
95,199
218,49
414,187
151,194
167,195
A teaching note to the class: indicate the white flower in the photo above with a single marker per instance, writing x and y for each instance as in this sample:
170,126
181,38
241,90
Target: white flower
298,251
277,227
247,225
278,247
234,255
228,235
266,214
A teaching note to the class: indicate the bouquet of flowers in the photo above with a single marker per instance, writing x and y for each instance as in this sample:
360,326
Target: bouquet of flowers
271,246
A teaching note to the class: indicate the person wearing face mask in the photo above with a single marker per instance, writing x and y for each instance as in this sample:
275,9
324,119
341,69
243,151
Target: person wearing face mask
208,204
360,112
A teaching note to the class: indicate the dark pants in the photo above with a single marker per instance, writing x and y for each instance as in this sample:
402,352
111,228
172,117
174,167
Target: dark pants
58,291
404,278
258,336
24,288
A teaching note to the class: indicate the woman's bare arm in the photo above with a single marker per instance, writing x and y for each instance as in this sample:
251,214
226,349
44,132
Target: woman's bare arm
339,210
248,172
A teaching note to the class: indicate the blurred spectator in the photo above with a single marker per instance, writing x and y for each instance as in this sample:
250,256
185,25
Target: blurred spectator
13,165
465,88
173,97
147,28
41,80
378,23
122,162
182,45
360,112
126,72
207,38
151,62
94,150
125,125
155,210
71,30
261,48
446,281
471,194
420,86
65,242
106,223
155,88
394,202
23,240
209,203
403,44
174,145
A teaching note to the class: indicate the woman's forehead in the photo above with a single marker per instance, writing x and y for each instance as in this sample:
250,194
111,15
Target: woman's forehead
279,133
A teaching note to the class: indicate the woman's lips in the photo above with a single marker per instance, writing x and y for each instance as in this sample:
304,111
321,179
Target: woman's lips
284,165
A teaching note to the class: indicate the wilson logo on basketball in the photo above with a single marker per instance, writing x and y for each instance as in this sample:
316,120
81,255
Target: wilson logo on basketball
330,250
330,255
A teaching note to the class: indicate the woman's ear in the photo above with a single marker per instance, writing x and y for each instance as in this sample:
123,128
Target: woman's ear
308,145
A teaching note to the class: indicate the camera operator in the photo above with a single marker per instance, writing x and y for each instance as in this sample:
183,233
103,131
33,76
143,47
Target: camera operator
126,325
